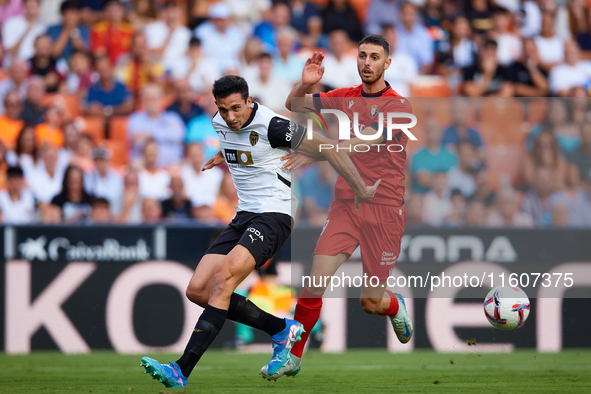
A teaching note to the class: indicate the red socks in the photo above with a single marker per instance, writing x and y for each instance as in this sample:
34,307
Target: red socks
393,308
307,312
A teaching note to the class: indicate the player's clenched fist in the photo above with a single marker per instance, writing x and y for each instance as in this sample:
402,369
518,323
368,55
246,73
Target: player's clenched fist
366,194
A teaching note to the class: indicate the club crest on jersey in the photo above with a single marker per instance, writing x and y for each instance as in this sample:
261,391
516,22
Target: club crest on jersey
254,138
373,111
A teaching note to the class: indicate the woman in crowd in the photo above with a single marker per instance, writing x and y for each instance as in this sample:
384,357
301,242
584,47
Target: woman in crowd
75,203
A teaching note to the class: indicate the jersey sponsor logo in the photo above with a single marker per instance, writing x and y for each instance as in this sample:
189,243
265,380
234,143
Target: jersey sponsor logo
253,138
292,129
257,233
373,111
234,156
388,258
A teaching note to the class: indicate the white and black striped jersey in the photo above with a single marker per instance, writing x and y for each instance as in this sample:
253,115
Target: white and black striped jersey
253,155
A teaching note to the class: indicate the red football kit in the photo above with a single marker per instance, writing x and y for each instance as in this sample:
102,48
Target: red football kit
379,224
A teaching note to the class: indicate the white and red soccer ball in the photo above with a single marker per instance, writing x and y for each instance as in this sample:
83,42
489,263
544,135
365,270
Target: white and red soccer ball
506,307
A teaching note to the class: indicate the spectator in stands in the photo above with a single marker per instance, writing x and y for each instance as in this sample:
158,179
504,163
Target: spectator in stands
3,165
104,182
460,130
459,50
73,200
17,204
458,204
16,80
480,17
45,65
220,38
201,130
550,46
203,212
340,15
80,74
82,156
184,104
165,127
583,36
286,64
529,78
572,73
268,88
581,206
301,12
431,159
509,45
131,202
380,13
482,192
414,39
71,139
168,37
178,206
50,131
475,214
436,203
51,214
580,157
151,211
10,8
560,214
266,31
33,108
248,13
460,175
100,212
317,187
46,178
107,97
71,35
20,31
153,181
25,151
315,39
139,67
226,202
403,68
546,153
536,200
487,77
248,61
506,212
113,36
10,123
199,70
142,14
559,121
414,211
199,184
340,65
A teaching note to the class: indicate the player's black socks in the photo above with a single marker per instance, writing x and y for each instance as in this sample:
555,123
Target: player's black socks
208,327
243,311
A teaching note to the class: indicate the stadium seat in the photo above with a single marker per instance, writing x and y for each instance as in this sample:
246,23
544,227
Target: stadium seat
504,165
94,127
119,153
430,86
118,140
71,103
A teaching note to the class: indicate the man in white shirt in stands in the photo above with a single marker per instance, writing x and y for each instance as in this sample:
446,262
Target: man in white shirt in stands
550,46
572,73
403,68
340,66
199,185
169,37
269,89
17,204
19,33
45,179
153,181
104,182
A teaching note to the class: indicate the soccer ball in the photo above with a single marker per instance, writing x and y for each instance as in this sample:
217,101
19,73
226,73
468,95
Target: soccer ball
506,307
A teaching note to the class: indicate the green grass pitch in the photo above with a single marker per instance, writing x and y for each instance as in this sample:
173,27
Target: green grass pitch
354,371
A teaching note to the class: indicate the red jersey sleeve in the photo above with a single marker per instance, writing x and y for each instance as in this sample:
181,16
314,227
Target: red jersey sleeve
326,100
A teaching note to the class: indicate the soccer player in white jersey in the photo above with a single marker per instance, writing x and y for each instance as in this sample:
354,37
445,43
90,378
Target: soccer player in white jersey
252,139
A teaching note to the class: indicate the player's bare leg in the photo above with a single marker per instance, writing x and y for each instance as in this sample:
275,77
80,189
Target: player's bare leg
200,284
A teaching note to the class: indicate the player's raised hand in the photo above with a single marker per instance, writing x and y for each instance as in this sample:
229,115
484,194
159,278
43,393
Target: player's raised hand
313,70
295,160
215,160
367,194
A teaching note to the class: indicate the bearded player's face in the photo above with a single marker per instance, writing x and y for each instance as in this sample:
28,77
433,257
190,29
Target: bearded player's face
372,60
234,110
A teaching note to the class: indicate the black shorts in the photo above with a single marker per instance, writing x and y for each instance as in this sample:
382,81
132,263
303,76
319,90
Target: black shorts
262,234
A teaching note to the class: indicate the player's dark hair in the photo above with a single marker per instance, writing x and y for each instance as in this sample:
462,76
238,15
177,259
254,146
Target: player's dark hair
376,39
228,85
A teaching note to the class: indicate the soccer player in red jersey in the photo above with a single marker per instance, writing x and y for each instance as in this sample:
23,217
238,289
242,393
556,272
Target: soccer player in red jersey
376,226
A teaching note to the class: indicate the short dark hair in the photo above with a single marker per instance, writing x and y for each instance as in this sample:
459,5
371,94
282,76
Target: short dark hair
194,41
228,85
14,172
69,5
376,39
265,55
100,201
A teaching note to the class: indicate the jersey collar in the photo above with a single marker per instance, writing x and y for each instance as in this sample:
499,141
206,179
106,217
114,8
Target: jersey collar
255,106
377,94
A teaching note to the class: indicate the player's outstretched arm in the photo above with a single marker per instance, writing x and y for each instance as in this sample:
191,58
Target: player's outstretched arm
311,75
215,160
343,165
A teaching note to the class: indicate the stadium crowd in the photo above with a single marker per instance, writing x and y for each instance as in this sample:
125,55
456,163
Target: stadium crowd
106,105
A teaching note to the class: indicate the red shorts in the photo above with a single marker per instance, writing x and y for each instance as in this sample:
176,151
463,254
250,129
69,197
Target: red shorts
376,228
